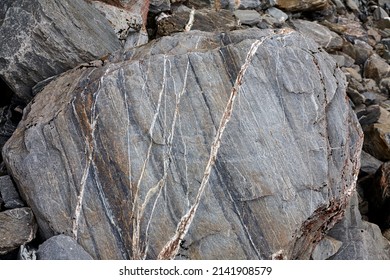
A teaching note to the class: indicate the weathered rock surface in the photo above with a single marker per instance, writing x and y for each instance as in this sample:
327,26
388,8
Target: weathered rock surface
118,156
376,126
17,227
9,193
376,68
319,33
61,247
41,38
361,240
326,248
204,20
369,164
301,5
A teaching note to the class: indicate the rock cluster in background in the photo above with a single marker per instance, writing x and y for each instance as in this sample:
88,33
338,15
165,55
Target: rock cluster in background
67,153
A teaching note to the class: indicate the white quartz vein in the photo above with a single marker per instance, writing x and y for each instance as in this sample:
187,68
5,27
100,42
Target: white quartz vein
170,250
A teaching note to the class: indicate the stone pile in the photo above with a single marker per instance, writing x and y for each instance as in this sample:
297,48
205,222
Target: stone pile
140,114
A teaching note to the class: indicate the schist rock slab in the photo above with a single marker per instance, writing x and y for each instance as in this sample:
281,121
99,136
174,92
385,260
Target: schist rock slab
236,145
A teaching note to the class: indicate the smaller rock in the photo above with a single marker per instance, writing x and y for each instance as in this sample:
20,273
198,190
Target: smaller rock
61,247
383,23
379,14
27,253
371,98
370,115
340,8
17,227
125,23
352,5
374,34
369,164
9,193
301,5
279,15
370,85
158,6
384,85
342,59
326,248
360,51
376,68
377,137
319,33
247,17
355,96
246,4
353,73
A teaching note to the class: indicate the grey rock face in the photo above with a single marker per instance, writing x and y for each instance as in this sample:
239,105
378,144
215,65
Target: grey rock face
247,17
9,193
235,145
42,38
17,227
61,247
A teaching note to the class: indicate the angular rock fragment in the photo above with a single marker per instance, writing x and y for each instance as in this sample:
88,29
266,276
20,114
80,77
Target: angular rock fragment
61,247
376,68
204,20
319,33
40,39
376,126
301,5
369,164
17,227
9,193
127,19
326,248
247,17
157,6
244,139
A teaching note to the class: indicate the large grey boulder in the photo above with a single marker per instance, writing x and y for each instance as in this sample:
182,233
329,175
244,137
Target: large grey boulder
42,38
237,145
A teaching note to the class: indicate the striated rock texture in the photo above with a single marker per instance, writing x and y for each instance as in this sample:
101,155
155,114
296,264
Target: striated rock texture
42,38
238,145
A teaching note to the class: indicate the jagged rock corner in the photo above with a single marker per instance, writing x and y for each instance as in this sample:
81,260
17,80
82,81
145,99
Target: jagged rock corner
194,130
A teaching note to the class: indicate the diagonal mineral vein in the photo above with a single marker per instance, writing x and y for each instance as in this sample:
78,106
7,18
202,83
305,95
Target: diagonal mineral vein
171,249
